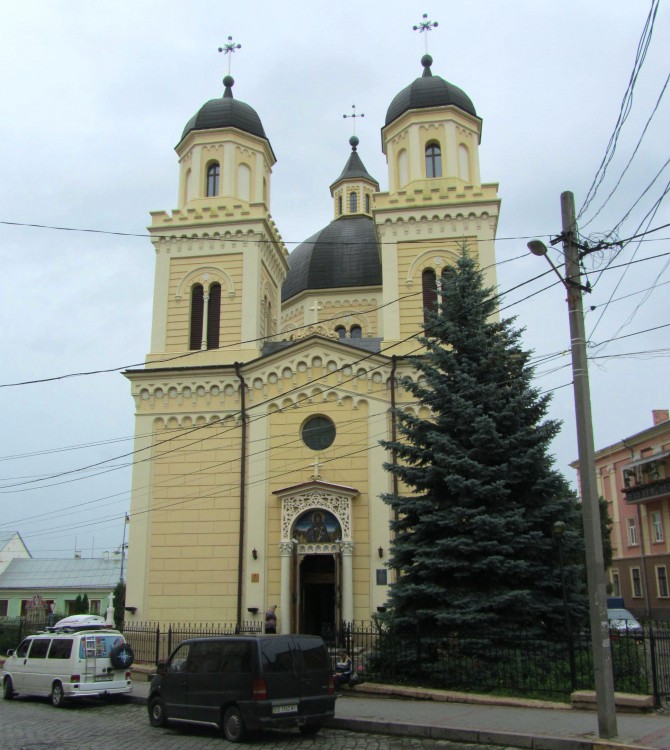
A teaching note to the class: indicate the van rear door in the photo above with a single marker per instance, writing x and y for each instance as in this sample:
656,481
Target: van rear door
281,677
315,672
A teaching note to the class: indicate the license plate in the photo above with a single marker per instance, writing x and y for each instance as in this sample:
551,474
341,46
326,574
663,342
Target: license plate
288,709
103,678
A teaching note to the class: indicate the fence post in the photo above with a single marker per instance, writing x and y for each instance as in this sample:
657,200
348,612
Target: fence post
652,659
158,643
169,648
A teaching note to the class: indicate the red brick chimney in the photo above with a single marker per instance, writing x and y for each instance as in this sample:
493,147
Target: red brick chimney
660,415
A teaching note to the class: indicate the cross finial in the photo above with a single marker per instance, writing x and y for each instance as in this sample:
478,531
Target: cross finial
354,115
315,473
426,26
229,48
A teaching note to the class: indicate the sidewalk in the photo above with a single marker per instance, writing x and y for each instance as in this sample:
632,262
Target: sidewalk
507,722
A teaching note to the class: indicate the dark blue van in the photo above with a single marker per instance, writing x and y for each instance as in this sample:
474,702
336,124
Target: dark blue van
243,684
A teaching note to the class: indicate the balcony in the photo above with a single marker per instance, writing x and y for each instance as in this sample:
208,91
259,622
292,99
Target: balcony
657,489
647,479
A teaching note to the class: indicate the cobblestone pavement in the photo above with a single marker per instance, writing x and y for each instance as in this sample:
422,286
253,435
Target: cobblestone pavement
33,724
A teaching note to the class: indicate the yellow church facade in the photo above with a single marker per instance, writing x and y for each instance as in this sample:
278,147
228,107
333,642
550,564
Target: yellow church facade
272,376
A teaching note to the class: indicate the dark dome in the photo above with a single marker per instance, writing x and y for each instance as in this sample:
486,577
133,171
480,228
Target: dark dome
428,91
226,112
343,254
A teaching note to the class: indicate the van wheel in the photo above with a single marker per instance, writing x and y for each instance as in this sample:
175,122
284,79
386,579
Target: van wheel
57,695
8,689
233,725
309,730
157,716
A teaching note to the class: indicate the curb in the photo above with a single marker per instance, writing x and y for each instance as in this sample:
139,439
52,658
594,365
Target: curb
478,737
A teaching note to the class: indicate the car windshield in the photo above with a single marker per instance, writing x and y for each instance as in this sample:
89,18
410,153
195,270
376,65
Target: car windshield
620,614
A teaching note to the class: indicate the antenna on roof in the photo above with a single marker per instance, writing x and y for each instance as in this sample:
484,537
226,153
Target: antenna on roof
426,26
230,48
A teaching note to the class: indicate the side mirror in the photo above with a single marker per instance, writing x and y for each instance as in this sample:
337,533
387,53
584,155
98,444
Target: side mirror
161,668
10,651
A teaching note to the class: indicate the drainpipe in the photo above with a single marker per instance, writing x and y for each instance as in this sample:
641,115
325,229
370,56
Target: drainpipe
643,561
243,473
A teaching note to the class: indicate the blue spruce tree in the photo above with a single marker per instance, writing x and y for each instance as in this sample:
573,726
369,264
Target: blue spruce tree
473,544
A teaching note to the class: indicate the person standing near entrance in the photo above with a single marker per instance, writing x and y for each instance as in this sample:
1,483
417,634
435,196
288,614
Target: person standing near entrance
271,619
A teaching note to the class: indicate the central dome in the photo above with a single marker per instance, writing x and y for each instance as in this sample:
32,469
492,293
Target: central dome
343,254
428,91
226,112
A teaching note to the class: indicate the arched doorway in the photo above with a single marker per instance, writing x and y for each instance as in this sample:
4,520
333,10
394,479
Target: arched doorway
318,581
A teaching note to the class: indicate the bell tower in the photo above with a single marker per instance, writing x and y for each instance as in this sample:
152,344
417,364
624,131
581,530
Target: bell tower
220,261
436,202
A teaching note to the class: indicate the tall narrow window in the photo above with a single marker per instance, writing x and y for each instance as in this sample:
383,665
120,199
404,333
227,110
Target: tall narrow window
367,203
657,525
197,307
214,316
616,583
632,532
433,160
213,172
429,287
356,332
353,203
636,581
341,332
662,581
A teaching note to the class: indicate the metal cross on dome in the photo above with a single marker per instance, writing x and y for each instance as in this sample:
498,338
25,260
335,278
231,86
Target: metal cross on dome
230,48
426,26
354,115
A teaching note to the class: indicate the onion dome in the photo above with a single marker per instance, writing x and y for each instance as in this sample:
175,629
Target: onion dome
343,254
428,91
354,169
226,112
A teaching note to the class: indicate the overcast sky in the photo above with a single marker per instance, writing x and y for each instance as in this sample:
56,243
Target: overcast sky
94,98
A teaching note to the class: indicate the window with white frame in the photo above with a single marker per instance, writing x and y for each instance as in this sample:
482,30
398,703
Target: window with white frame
616,583
662,581
657,526
94,606
636,580
632,532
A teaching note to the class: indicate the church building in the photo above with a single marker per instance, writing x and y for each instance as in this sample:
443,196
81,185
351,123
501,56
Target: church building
272,376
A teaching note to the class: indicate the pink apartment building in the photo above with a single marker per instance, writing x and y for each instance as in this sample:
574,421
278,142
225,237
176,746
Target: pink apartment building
634,477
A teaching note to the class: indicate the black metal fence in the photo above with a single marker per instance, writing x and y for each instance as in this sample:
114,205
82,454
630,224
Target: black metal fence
152,642
504,662
507,662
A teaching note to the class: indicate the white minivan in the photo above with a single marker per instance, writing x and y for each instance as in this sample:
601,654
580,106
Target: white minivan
80,656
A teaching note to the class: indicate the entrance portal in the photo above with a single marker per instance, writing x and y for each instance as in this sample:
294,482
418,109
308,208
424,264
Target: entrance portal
317,594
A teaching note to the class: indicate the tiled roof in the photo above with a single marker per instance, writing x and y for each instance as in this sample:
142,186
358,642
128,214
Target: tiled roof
85,573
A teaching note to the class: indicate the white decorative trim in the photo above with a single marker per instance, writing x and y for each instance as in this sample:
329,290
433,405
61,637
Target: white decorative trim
207,275
316,498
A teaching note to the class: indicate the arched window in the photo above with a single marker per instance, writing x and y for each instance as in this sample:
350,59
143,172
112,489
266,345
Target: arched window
353,203
463,163
356,332
341,331
214,316
339,205
186,194
433,160
429,288
213,172
197,307
244,182
403,172
367,203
